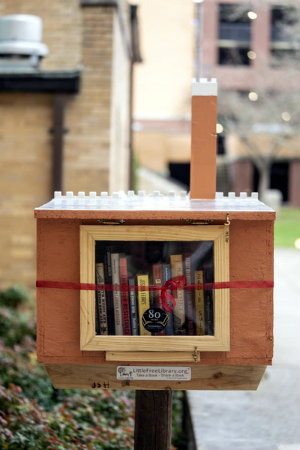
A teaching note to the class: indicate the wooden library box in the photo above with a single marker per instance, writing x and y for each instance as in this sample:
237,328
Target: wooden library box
155,291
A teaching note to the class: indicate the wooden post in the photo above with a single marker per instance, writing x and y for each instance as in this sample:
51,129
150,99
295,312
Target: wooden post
153,420
204,139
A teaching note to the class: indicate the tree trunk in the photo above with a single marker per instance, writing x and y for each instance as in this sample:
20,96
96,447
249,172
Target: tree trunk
153,420
264,180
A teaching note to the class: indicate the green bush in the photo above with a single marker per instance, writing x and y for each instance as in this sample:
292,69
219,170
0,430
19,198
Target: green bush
36,416
14,296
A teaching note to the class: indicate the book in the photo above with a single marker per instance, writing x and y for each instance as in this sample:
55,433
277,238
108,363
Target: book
209,313
199,305
125,296
143,301
179,310
133,307
170,325
157,282
157,275
101,301
189,298
109,292
115,266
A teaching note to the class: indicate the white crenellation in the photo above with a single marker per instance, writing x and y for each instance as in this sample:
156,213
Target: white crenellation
155,199
204,87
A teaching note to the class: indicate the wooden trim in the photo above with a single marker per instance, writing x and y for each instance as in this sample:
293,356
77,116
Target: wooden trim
89,341
162,357
204,377
208,212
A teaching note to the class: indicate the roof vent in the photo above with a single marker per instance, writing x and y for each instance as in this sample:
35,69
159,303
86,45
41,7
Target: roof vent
20,42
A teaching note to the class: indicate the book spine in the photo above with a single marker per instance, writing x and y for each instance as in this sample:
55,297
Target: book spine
209,312
101,300
179,312
189,303
109,293
143,301
170,325
157,273
125,296
133,307
157,282
117,293
199,305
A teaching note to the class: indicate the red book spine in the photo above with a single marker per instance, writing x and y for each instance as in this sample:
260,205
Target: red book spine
125,297
157,272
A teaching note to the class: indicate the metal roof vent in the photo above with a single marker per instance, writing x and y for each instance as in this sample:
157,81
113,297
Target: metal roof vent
21,48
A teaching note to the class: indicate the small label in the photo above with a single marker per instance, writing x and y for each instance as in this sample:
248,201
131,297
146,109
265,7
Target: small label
155,319
153,373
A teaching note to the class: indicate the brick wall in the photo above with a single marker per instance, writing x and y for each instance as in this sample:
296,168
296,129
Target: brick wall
96,120
25,146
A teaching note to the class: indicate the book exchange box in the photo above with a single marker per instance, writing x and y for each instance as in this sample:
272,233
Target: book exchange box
155,291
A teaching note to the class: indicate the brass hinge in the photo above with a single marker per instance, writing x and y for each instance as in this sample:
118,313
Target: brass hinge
111,222
227,224
199,222
195,354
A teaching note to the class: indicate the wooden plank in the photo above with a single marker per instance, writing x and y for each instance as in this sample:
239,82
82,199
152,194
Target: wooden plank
204,377
198,210
153,356
87,298
154,232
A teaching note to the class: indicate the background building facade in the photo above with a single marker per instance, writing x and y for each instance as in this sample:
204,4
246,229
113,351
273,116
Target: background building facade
246,46
67,124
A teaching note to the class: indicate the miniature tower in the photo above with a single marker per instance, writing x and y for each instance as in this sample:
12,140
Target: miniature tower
203,148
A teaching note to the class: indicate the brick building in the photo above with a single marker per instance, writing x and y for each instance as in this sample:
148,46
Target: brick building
67,124
238,43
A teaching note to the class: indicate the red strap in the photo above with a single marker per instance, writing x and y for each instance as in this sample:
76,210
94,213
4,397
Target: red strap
171,285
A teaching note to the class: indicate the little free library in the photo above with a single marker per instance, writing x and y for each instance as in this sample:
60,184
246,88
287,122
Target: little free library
152,291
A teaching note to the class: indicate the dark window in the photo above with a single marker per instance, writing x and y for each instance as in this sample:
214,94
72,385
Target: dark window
234,34
221,149
278,178
283,19
284,42
233,56
180,172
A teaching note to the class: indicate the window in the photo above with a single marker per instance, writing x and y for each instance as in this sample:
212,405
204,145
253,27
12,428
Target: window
234,35
150,292
284,30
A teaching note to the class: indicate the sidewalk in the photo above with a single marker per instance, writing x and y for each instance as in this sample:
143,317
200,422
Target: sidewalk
269,418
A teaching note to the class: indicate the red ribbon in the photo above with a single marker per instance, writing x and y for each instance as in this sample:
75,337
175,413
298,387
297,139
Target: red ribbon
171,285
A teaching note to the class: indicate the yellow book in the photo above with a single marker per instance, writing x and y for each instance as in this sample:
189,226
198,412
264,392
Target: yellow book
179,310
199,304
143,301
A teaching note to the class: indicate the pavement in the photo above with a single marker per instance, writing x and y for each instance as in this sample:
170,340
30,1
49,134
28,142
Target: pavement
269,418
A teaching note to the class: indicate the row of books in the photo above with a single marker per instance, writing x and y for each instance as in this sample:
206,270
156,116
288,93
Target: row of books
120,311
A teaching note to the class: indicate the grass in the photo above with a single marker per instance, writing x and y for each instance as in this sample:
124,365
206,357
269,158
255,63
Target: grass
287,227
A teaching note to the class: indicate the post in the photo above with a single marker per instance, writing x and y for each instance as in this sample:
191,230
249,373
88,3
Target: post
204,139
153,420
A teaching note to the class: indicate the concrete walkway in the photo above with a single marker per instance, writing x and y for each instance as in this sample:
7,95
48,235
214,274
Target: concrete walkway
269,418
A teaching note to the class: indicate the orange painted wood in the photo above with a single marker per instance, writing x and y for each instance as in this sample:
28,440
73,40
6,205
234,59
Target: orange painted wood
251,313
203,146
208,211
